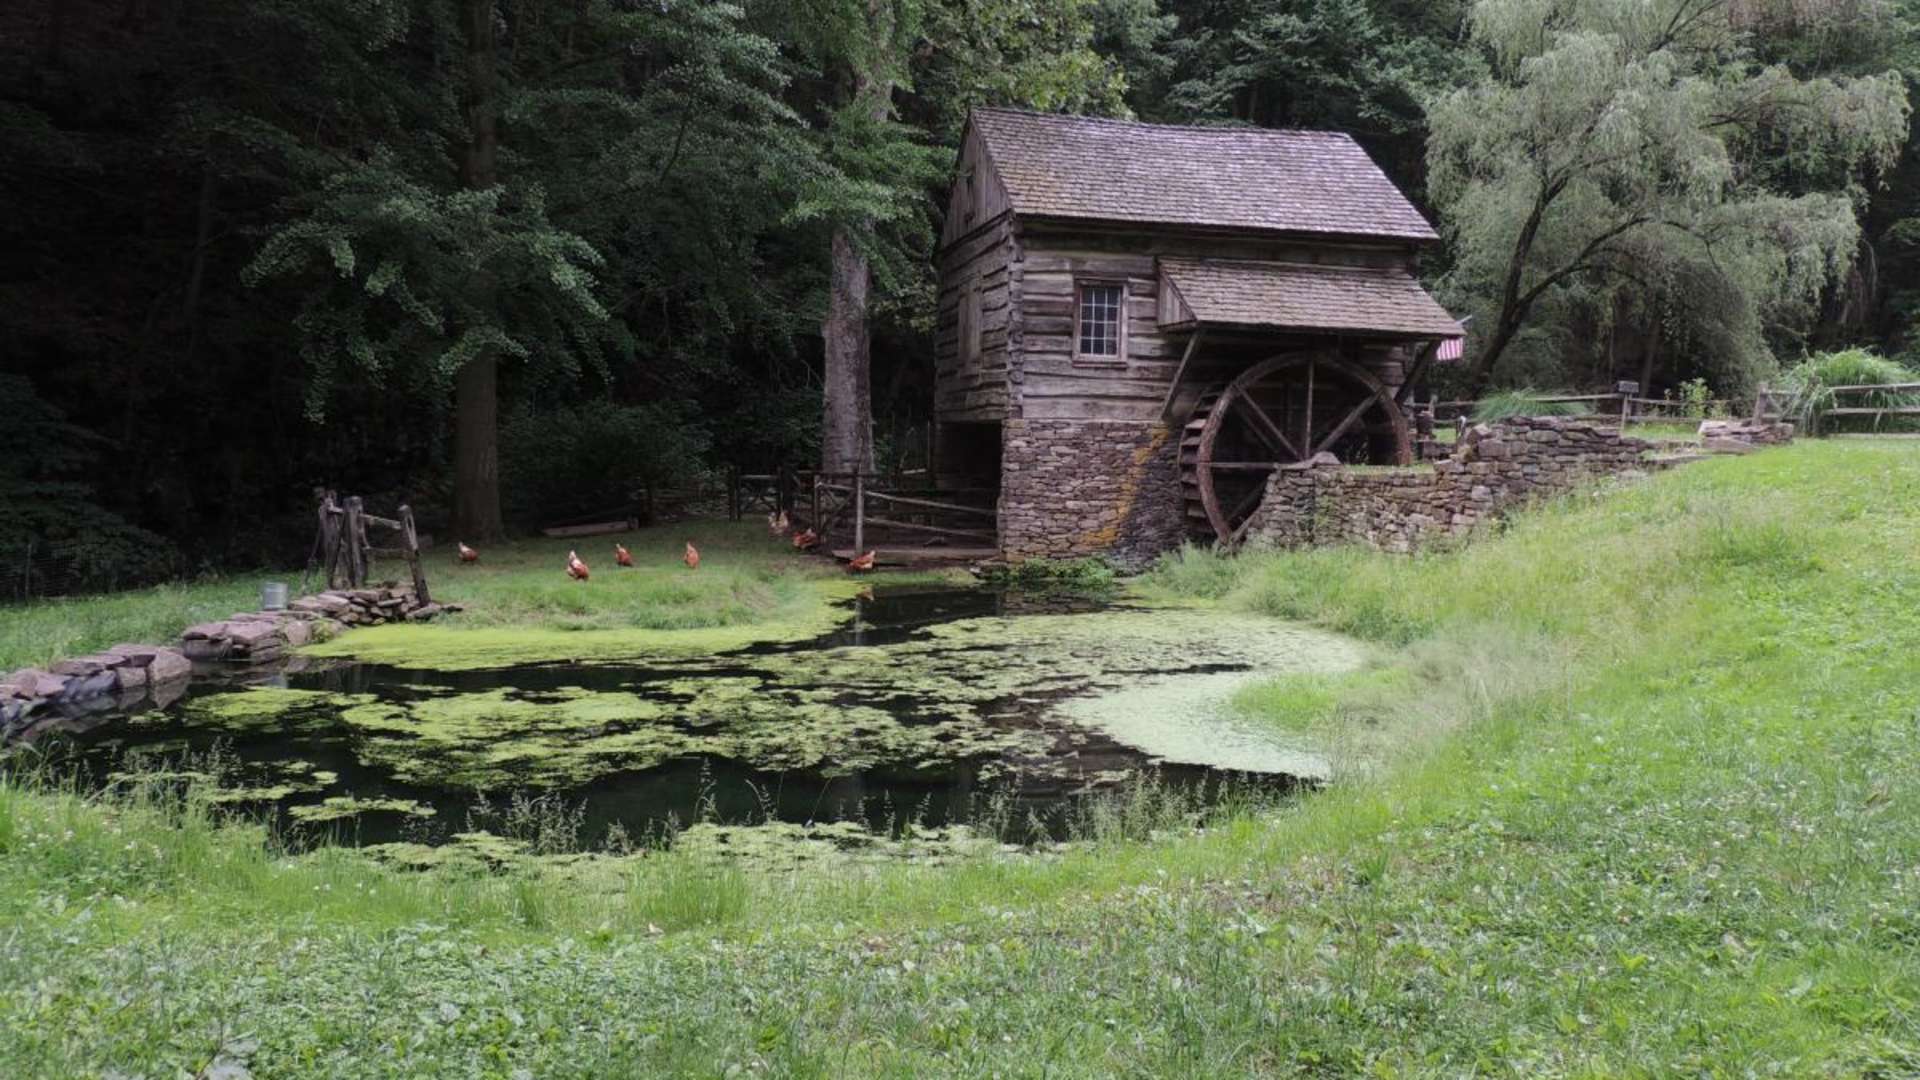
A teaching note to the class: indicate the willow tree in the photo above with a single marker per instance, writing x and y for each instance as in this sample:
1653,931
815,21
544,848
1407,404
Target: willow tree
1616,142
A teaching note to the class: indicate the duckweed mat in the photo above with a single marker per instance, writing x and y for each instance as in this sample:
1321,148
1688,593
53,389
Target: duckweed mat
921,709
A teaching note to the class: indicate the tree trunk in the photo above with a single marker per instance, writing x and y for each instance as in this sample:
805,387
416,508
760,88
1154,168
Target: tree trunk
846,436
1648,361
846,433
476,405
476,452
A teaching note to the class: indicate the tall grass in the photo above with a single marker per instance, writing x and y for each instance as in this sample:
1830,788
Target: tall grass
1505,404
1809,384
1651,813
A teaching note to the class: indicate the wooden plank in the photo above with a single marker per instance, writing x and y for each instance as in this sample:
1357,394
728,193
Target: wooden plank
1100,384
931,504
1141,410
937,530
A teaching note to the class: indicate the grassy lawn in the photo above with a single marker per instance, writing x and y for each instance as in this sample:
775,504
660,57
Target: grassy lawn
745,579
1655,811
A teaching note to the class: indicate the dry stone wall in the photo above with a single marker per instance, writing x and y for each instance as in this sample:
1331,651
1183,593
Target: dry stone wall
1493,467
1073,488
126,678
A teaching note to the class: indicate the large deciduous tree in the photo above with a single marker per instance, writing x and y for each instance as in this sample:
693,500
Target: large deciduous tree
1623,145
500,158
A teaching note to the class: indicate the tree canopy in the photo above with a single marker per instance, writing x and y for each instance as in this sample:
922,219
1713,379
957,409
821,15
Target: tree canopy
467,222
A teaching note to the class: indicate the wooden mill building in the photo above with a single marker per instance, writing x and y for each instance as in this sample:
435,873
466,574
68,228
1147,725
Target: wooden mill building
1139,323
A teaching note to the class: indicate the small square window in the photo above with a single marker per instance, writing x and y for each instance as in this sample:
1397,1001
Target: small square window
1099,321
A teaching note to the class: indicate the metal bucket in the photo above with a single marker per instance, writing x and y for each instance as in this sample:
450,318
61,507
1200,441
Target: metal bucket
273,596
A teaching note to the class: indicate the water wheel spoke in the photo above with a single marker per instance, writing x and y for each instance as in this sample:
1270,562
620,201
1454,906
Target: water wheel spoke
1238,417
1264,426
1347,421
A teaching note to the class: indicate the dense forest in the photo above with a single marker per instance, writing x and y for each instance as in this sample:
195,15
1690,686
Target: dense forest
512,259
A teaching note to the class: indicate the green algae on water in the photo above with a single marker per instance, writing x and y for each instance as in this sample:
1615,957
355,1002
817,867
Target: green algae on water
453,647
341,807
263,706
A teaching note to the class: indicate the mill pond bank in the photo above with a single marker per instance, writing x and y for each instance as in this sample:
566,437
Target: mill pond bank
1640,790
927,706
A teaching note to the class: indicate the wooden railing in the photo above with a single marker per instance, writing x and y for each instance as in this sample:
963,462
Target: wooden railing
1877,412
346,558
856,505
1622,409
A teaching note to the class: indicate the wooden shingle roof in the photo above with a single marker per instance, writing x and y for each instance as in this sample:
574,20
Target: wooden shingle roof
1301,296
1234,177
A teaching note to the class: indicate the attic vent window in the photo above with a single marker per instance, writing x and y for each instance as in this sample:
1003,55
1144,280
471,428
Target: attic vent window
1099,323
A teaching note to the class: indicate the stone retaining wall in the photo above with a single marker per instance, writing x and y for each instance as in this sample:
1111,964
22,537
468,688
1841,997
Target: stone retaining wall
1073,488
1492,468
130,677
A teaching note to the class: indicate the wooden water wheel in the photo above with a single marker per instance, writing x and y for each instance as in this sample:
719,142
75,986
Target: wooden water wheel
1282,411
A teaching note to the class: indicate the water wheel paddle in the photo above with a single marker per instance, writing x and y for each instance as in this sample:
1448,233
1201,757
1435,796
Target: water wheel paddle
1282,411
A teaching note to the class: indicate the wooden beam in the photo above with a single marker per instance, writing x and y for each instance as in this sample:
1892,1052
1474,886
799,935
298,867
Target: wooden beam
1346,422
1179,373
1306,421
1412,375
1270,431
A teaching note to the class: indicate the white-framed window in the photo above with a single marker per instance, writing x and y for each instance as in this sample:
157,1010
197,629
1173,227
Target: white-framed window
1100,320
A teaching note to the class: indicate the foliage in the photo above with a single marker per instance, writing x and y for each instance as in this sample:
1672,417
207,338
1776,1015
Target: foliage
1078,577
1615,151
1503,404
1695,399
53,537
565,462
1808,385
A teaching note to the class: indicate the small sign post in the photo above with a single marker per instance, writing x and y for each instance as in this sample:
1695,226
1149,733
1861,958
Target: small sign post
1628,390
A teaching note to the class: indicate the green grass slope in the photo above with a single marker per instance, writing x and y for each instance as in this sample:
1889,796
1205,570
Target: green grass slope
1652,808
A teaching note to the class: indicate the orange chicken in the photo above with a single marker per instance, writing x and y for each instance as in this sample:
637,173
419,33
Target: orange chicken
692,557
806,540
860,564
575,568
467,554
621,556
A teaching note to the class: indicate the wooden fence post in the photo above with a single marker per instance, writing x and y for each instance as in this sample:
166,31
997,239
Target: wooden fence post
330,539
356,550
859,512
410,538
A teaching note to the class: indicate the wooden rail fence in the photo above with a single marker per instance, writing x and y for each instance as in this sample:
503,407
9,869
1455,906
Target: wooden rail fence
860,506
1879,413
346,556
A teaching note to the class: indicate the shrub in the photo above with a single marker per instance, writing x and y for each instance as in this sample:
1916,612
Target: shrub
53,537
1523,402
1809,384
568,462
1080,577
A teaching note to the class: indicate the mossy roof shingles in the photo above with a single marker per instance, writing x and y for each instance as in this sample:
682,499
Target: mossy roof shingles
1307,297
1232,177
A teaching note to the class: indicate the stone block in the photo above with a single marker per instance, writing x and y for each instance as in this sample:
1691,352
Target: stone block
35,683
82,666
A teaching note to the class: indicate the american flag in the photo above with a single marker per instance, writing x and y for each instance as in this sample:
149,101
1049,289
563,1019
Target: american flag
1451,349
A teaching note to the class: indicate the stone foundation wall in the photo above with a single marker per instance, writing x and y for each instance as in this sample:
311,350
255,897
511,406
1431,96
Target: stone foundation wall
1399,509
1073,488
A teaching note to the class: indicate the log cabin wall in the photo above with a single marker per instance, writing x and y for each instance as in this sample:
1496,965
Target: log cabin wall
1051,383
1046,207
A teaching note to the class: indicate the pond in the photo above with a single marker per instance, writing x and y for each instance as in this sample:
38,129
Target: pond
925,708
